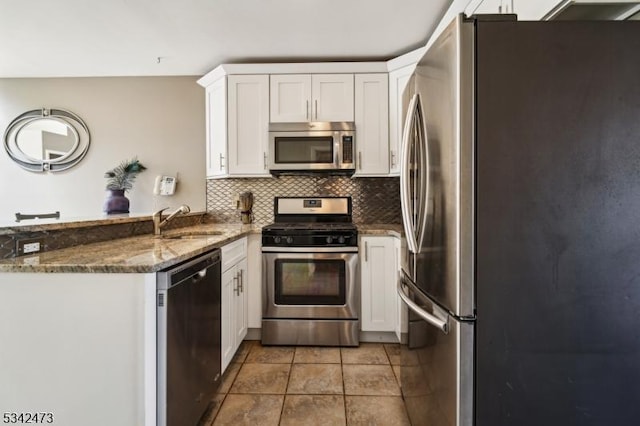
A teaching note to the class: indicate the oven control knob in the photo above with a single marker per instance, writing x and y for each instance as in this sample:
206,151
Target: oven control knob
289,240
277,240
341,240
329,239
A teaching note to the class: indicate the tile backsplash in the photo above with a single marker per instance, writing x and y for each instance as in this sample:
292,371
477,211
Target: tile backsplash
375,200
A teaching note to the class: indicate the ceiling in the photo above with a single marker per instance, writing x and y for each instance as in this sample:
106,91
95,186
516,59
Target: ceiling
80,38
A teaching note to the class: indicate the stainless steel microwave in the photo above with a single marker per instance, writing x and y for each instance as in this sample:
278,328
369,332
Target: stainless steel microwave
315,147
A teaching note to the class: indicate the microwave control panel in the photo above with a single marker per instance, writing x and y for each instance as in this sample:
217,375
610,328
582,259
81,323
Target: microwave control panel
347,149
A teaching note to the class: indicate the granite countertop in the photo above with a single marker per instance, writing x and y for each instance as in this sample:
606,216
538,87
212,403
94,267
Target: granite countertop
37,225
391,229
140,254
147,254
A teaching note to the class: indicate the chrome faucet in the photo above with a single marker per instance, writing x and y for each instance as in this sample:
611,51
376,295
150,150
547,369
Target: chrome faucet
158,223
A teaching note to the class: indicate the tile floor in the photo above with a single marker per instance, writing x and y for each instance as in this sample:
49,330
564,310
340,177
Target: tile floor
275,385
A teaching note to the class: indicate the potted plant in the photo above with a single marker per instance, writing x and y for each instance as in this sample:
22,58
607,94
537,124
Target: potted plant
119,181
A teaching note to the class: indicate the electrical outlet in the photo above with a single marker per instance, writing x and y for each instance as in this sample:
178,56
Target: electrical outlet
31,260
29,245
31,248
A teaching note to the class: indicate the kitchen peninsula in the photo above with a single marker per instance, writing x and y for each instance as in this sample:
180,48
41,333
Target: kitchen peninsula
78,326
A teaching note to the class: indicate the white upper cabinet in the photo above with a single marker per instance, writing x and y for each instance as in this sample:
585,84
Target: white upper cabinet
216,110
238,126
248,132
332,97
311,97
290,98
372,124
484,6
528,10
398,80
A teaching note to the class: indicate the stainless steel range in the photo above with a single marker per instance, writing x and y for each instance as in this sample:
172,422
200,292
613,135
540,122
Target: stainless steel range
310,263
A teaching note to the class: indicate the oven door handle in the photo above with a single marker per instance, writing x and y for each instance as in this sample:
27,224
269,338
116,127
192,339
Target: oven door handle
431,319
309,249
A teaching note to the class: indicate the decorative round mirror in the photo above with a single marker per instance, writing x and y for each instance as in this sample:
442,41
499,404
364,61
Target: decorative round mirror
47,140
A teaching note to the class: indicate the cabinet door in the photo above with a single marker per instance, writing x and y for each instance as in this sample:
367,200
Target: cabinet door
248,125
254,281
332,97
290,98
216,106
528,10
240,305
372,124
485,6
227,316
379,273
402,320
398,80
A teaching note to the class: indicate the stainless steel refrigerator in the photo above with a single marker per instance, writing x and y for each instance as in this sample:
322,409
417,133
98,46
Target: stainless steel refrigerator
520,190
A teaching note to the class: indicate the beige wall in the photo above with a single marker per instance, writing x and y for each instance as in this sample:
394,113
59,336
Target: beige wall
161,120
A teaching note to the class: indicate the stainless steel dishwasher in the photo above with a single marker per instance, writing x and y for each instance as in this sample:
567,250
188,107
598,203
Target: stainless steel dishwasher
188,314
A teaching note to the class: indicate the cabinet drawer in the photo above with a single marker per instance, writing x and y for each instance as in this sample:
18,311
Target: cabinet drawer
233,252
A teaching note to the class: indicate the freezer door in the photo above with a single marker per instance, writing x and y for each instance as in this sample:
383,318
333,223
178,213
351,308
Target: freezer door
436,368
442,265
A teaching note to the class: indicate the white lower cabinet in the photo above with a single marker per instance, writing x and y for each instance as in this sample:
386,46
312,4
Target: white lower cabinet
234,320
402,318
254,262
379,274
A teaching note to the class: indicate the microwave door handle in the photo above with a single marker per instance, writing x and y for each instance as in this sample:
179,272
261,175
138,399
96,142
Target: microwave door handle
439,323
405,184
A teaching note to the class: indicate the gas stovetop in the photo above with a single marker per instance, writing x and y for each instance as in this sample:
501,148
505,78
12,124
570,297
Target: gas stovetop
311,222
309,227
277,235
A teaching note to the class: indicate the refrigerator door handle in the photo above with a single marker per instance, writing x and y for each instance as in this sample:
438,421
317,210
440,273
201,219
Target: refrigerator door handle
441,324
424,187
405,188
